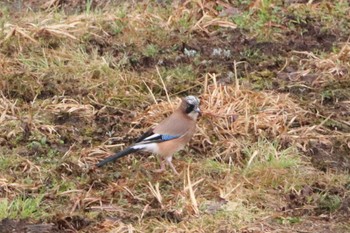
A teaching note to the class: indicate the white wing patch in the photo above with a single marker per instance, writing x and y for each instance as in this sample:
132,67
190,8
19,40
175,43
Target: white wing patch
158,138
151,137
150,147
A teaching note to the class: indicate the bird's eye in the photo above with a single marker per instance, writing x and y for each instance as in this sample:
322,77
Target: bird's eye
190,108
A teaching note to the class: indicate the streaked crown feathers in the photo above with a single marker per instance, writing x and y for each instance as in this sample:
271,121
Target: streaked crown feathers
193,100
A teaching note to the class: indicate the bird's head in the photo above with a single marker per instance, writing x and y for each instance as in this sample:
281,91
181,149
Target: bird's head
190,106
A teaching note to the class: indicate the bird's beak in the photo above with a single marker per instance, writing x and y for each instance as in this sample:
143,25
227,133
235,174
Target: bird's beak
197,110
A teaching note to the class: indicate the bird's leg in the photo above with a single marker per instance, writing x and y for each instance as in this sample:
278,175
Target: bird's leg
168,159
162,167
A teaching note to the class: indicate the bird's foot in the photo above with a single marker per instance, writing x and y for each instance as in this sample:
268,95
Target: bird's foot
159,170
173,168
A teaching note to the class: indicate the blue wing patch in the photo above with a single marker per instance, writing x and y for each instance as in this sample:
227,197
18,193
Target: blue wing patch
157,138
166,137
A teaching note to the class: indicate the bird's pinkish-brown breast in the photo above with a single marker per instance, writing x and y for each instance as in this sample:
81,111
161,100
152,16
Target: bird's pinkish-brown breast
168,148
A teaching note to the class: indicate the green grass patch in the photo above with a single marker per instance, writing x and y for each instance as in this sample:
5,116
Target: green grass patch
23,207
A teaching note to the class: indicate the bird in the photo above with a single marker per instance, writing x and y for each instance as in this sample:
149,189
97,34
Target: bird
168,137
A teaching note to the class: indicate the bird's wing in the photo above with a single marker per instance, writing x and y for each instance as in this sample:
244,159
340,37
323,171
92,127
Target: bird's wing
151,137
175,126
145,135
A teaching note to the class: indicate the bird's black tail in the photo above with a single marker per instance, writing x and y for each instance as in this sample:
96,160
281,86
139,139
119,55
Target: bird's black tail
116,156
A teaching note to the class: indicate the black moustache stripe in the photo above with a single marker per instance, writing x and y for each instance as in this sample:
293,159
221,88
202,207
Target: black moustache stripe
189,108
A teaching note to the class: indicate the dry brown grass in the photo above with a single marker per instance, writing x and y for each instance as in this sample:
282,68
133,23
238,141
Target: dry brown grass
328,68
223,137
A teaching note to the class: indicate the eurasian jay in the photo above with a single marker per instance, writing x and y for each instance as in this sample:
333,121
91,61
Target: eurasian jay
168,137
